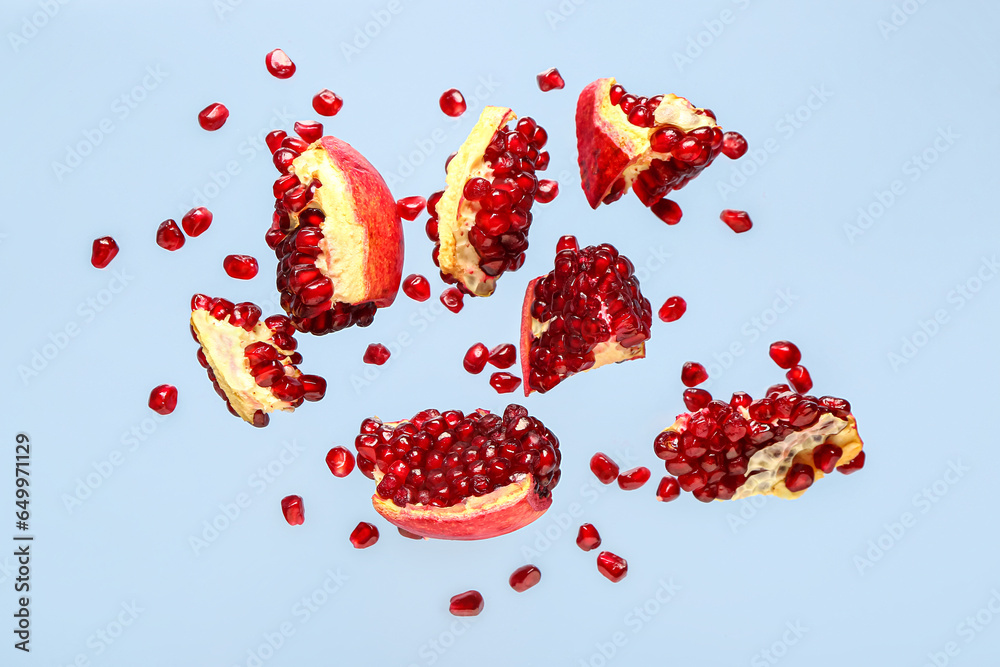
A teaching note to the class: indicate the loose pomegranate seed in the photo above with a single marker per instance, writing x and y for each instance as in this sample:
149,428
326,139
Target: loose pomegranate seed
163,399
241,267
738,221
668,489
294,510
854,465
364,535
785,353
376,354
469,603
453,299
279,65
696,399
525,577
103,251
340,461
452,103
799,477
567,242
416,287
476,358
667,210
309,130
196,221
503,356
550,79
504,383
800,379
587,538
734,146
274,139
693,373
825,457
169,236
633,479
604,468
611,566
327,103
213,116
672,309
408,208
547,191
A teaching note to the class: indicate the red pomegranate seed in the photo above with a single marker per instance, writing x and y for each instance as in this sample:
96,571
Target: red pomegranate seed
799,477
503,356
103,251
785,353
800,379
416,287
476,358
504,383
327,103
364,535
550,79
340,461
693,373
734,146
279,65
668,489
854,465
611,566
163,399
196,221
696,399
672,309
294,510
667,210
213,116
525,577
738,221
825,457
408,208
452,103
547,191
376,354
240,267
453,299
169,236
633,479
604,468
567,242
587,538
309,130
469,603
274,139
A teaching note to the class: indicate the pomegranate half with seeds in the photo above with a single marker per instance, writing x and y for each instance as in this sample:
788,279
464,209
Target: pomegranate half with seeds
336,233
252,363
458,476
480,221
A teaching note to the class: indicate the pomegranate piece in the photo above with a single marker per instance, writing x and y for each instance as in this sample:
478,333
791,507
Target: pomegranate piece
738,221
693,373
294,510
416,287
612,566
408,535
475,358
251,362
785,353
668,489
169,236
460,476
279,65
364,535
734,145
340,461
469,603
213,116
799,378
336,233
550,79
452,103
503,356
409,208
672,309
524,578
196,221
453,299
504,383
633,479
586,313
480,221
327,103
376,354
103,251
852,466
604,468
163,399
241,267
587,538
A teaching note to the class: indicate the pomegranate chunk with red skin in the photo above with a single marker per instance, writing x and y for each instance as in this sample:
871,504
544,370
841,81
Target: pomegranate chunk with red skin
103,251
240,267
213,116
800,379
452,103
416,287
504,383
409,208
169,236
604,468
364,535
376,354
854,465
525,577
327,103
672,309
612,566
453,299
475,358
734,145
738,221
550,79
340,461
785,353
196,221
279,65
633,479
163,399
294,510
587,538
668,489
693,374
503,356
469,603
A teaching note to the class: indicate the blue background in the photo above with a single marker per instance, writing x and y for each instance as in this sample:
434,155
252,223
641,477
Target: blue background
849,107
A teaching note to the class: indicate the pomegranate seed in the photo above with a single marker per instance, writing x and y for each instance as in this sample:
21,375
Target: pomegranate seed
587,538
799,477
313,386
476,358
294,510
476,188
340,461
547,191
452,103
416,287
854,465
734,146
696,399
327,103
668,489
279,65
169,236
667,210
408,208
825,457
504,383
525,577
611,566
376,354
604,468
633,479
664,139
213,116
163,399
615,94
364,535
453,299
469,603
196,221
738,221
550,79
274,139
309,130
503,356
567,242
785,353
800,379
241,267
693,373
672,309
103,251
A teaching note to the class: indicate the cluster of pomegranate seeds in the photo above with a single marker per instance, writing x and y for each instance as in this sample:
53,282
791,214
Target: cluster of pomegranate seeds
668,489
327,103
196,221
469,603
612,566
693,373
294,510
241,267
340,461
409,208
503,356
633,479
734,145
103,251
364,535
672,309
169,236
738,221
504,383
475,358
440,459
524,578
452,103
604,468
213,116
587,538
163,399
453,299
377,354
550,79
279,65
416,287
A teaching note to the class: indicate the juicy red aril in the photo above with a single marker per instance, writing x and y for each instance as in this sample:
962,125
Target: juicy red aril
476,188
196,221
800,379
103,251
169,236
668,489
469,603
738,221
784,353
163,399
274,139
309,130
547,191
672,309
612,566
364,535
452,103
854,465
408,208
327,103
693,373
313,386
294,510
733,145
475,358
453,299
605,469
524,578
664,139
376,354
799,477
503,356
633,479
567,242
504,383
667,210
696,399
587,538
340,461
416,287
279,65
213,117
550,79
825,457
241,267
